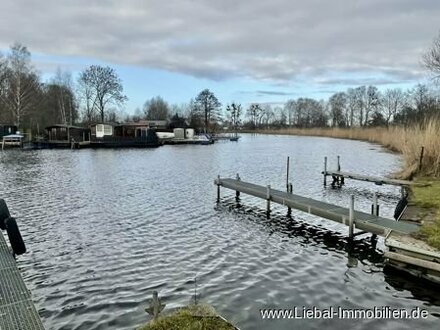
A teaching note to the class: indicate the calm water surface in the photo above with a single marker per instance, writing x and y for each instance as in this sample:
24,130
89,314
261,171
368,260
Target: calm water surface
104,228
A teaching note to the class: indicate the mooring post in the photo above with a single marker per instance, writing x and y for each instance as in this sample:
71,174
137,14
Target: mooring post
421,158
325,171
268,199
339,163
237,193
374,211
375,204
350,218
287,174
218,188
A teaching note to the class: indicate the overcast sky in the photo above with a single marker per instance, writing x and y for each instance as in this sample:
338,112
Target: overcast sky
245,51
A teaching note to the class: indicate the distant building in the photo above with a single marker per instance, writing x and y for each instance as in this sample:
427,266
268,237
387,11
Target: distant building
67,133
6,129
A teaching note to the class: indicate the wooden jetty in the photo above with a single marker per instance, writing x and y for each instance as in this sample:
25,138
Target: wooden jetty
339,176
366,222
17,311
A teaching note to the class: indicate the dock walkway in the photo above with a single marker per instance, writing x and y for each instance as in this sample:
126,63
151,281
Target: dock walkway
363,221
377,180
17,311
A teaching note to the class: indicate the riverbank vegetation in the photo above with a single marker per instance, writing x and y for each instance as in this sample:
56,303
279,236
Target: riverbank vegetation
192,317
427,196
407,140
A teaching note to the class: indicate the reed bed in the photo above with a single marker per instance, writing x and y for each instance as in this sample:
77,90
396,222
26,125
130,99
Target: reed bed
406,140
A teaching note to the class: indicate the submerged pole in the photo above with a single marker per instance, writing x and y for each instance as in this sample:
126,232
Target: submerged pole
375,204
268,200
350,218
218,188
289,190
325,171
237,193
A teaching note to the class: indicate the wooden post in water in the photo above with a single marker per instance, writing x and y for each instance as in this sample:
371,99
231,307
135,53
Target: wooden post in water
287,174
339,163
237,193
350,218
218,188
268,200
325,171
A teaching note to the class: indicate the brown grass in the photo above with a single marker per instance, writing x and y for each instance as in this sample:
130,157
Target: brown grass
407,141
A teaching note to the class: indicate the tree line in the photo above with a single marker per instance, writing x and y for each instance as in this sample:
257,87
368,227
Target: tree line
98,96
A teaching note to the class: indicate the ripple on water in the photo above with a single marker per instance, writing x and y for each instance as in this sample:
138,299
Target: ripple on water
104,228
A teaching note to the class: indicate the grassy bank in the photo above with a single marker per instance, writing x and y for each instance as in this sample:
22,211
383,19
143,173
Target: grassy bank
193,317
407,141
428,197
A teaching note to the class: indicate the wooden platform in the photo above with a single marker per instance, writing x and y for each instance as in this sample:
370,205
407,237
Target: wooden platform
363,221
17,311
374,179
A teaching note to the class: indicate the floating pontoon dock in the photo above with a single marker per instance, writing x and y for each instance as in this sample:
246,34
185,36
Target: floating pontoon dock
17,311
348,216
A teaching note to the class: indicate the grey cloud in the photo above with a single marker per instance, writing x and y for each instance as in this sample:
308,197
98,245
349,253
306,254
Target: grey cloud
278,41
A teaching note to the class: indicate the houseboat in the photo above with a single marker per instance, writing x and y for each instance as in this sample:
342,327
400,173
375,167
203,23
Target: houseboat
65,136
126,135
10,137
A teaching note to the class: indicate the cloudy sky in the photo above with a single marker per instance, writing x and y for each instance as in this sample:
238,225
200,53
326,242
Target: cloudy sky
244,51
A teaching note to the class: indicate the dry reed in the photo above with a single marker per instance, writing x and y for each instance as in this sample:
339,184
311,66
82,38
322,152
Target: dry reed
406,140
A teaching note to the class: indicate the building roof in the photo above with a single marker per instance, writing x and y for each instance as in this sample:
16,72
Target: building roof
64,126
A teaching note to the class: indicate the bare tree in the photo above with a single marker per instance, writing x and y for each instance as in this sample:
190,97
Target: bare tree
360,103
104,86
338,103
20,84
65,96
431,59
290,108
208,104
393,101
372,102
253,113
234,113
156,109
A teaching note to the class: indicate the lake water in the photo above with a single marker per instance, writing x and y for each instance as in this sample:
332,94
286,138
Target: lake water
104,228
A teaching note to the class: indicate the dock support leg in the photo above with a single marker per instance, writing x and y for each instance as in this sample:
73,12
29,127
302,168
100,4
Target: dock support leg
350,218
374,211
289,190
268,201
325,171
237,193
